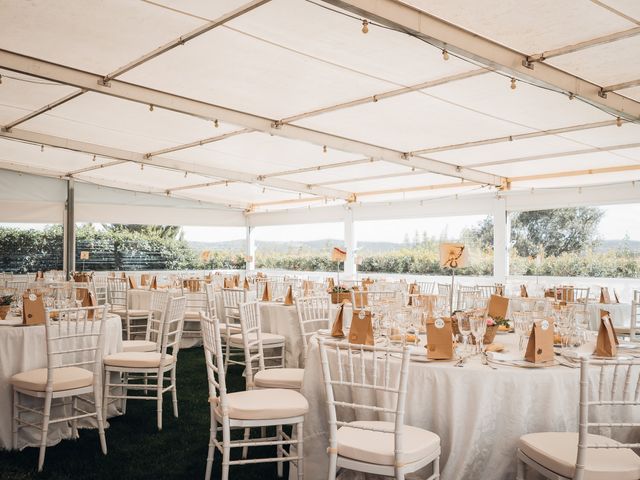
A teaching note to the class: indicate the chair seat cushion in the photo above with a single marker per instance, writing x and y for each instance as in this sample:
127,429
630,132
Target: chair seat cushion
193,314
233,328
267,404
378,447
557,452
267,338
65,378
136,359
279,378
138,346
133,312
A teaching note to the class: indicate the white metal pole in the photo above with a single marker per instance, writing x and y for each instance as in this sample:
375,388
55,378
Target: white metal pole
501,236
350,242
250,249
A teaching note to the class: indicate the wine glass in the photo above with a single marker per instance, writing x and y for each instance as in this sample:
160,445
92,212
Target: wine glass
522,323
464,327
478,329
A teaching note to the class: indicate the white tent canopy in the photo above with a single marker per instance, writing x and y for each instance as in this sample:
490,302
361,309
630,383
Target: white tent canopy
262,112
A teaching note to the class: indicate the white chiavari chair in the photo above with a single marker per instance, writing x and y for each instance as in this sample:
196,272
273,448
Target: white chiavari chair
314,313
426,288
231,300
272,341
464,293
100,286
75,344
18,286
249,409
134,321
154,365
444,289
256,374
635,312
485,291
196,303
362,381
615,398
157,310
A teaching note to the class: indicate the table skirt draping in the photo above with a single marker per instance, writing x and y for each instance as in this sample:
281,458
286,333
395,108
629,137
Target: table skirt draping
24,348
479,413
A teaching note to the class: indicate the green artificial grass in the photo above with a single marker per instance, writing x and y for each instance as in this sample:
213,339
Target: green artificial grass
135,447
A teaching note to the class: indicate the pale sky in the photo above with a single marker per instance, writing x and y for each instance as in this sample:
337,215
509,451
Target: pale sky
617,221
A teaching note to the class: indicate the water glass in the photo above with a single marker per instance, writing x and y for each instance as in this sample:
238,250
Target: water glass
478,329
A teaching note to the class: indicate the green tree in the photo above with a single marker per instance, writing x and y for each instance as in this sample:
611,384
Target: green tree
558,231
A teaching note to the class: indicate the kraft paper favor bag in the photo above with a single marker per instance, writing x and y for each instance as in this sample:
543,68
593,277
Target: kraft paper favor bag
331,284
144,280
32,308
361,330
245,286
414,289
607,343
336,330
605,296
500,289
236,281
439,338
307,287
87,299
540,345
288,298
154,283
615,296
498,306
132,283
82,277
266,293
208,278
523,291
123,275
39,275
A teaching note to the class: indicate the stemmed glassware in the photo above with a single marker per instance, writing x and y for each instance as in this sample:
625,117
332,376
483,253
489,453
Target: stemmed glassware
478,329
522,324
464,327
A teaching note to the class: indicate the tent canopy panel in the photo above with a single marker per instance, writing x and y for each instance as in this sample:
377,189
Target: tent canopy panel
81,34
337,177
260,153
530,27
202,8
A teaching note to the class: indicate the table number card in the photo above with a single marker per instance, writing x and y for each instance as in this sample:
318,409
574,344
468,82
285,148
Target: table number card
607,342
361,297
523,291
336,330
605,296
540,345
245,286
32,308
132,283
439,338
361,330
498,306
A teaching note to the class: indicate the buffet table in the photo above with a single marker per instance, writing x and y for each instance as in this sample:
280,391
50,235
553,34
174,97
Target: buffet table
24,348
478,412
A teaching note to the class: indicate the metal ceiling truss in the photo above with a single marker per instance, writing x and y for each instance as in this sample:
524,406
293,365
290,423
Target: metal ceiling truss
42,69
445,35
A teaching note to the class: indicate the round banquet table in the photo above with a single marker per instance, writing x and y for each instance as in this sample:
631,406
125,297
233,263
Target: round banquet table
276,317
479,413
24,348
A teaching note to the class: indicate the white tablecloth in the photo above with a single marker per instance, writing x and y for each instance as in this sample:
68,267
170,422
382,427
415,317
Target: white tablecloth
479,413
279,318
24,348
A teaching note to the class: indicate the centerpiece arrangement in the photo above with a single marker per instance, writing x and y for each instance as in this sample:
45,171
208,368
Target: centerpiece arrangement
5,305
340,293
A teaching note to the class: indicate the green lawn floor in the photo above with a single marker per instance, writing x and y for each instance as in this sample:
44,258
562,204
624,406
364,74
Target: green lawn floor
137,450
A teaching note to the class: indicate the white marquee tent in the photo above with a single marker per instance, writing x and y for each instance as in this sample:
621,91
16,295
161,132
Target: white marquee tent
261,112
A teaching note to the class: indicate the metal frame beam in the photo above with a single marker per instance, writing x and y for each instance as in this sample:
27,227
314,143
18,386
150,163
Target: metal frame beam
139,158
42,69
198,143
622,86
462,42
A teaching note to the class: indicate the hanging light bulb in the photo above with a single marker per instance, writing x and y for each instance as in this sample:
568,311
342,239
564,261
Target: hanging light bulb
445,55
571,96
324,149
215,123
94,158
185,174
42,148
0,79
264,189
365,26
226,183
513,83
142,166
618,122
150,108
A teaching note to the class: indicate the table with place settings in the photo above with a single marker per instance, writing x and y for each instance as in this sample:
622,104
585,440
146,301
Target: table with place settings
24,348
478,411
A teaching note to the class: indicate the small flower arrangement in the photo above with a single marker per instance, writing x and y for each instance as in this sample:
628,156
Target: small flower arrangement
340,289
499,321
6,300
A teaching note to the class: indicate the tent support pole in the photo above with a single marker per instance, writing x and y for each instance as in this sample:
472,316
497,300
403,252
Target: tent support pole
501,240
350,243
250,249
70,230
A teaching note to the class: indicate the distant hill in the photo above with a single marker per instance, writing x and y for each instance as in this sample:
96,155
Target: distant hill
324,246
309,246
